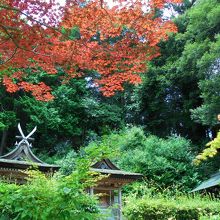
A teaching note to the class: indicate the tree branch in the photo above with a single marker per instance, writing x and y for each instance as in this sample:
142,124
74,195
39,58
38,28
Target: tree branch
28,16
9,34
8,59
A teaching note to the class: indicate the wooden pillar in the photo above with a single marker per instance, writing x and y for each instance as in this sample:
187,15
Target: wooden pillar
120,203
91,191
2,146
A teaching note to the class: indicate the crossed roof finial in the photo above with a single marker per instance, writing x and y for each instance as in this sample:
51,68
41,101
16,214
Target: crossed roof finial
25,139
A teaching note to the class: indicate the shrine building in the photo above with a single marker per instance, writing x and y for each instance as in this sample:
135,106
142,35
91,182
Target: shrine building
109,188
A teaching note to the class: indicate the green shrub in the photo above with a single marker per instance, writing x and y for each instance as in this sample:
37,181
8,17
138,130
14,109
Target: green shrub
44,198
62,196
57,197
167,208
166,162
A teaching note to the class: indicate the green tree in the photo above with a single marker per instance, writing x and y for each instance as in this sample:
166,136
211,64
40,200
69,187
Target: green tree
207,113
77,114
166,162
175,89
202,48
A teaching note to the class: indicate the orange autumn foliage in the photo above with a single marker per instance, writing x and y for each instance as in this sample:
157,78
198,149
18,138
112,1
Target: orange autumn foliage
115,42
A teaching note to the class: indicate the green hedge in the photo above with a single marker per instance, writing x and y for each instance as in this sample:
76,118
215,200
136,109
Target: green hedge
181,208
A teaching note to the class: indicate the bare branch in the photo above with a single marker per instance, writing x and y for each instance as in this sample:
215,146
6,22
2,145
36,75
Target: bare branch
17,44
9,34
29,17
8,59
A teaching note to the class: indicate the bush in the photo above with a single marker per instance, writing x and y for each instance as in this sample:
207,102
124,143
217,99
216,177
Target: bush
57,197
167,208
62,196
44,198
167,162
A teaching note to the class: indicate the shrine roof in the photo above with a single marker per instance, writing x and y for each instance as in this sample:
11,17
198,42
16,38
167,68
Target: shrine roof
120,173
105,166
6,163
22,156
214,180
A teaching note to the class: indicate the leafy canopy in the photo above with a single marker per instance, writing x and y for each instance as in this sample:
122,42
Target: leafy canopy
82,35
154,157
211,150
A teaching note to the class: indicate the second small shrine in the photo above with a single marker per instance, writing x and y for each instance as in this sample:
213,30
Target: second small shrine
109,188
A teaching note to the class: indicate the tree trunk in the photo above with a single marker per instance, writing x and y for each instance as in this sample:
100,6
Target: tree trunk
3,141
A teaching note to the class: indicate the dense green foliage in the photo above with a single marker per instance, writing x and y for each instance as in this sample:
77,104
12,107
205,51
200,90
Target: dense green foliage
62,196
156,128
182,84
57,198
154,157
179,94
72,118
208,111
206,45
164,208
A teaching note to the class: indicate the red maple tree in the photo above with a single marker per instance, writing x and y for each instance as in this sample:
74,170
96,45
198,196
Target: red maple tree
115,42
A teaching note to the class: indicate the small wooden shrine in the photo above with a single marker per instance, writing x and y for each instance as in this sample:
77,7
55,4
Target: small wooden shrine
108,188
22,158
